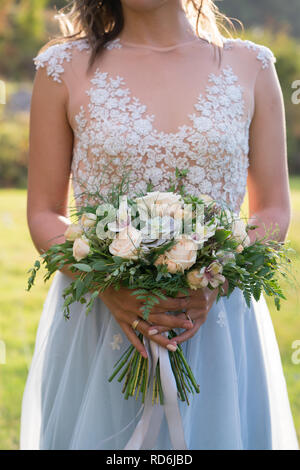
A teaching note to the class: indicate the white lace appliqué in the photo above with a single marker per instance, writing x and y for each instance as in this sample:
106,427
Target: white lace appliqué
117,340
55,56
117,134
264,54
221,320
114,134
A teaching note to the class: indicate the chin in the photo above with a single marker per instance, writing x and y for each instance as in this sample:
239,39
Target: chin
144,5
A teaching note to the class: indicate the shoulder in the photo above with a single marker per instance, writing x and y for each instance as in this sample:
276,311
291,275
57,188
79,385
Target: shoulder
53,57
251,50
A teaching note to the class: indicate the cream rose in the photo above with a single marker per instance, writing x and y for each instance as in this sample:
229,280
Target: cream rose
197,279
172,267
88,220
126,243
183,254
73,231
81,248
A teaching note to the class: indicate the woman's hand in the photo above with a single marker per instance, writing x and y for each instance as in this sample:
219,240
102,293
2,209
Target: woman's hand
126,308
197,305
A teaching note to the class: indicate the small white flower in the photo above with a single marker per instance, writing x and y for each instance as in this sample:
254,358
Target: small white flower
221,319
133,138
112,103
99,96
234,93
142,126
117,340
203,124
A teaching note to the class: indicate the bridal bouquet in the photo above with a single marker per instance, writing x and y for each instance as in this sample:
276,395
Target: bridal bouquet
160,244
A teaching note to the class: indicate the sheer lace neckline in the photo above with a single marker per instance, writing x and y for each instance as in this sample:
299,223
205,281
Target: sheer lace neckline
160,48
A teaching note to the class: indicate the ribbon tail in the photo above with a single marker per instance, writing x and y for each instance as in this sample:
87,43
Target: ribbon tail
171,407
147,429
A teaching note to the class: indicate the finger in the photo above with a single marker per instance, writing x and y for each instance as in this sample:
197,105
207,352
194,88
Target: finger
189,333
197,313
156,328
162,340
170,321
129,332
170,304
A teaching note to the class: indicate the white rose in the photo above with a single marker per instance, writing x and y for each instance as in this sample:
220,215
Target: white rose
88,220
73,231
239,232
81,248
161,227
159,203
126,243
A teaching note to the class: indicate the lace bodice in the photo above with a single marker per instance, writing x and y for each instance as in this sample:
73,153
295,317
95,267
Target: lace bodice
150,110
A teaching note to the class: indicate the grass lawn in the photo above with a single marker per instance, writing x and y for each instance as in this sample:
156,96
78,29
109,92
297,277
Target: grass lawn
20,312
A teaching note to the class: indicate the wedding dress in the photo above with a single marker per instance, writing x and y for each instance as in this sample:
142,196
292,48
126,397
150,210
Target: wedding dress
139,110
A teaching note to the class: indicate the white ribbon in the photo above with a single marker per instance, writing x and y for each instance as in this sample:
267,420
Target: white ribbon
147,429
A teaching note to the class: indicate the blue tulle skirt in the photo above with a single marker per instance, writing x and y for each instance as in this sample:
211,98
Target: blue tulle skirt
68,402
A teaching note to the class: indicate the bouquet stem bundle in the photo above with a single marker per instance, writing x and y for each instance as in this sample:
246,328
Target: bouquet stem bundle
134,371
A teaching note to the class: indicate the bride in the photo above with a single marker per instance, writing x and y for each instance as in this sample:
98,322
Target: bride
148,86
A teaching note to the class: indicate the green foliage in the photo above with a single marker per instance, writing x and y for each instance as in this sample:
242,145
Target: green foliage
14,150
274,14
22,34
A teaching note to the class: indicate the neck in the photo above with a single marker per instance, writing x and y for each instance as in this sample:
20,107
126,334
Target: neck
165,25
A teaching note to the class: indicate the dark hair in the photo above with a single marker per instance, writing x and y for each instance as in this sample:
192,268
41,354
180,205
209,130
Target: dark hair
100,21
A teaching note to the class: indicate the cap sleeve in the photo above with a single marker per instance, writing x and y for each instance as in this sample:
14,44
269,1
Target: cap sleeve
263,54
55,57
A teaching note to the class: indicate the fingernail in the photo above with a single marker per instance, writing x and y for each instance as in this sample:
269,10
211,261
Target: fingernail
171,347
145,355
153,332
188,324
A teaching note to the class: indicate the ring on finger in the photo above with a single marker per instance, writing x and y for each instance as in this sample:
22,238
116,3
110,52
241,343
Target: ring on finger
135,323
188,317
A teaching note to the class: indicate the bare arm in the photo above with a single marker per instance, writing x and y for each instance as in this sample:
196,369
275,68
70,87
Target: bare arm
268,185
50,155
